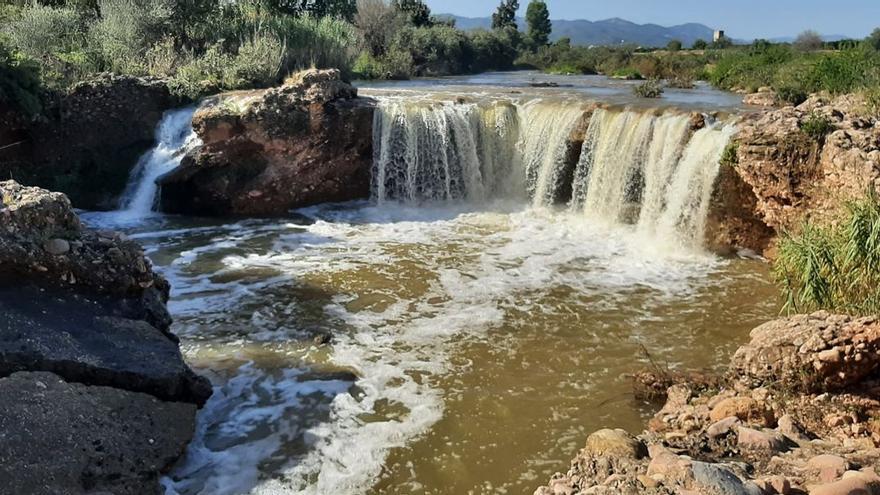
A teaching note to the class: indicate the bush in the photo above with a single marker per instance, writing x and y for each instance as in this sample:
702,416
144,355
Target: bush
19,81
808,41
817,126
257,63
834,268
127,30
56,38
674,46
649,89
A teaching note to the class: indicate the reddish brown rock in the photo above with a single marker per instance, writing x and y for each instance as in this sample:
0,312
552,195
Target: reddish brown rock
267,152
812,352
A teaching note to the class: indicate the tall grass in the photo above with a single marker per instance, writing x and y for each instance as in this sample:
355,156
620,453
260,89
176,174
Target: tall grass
835,268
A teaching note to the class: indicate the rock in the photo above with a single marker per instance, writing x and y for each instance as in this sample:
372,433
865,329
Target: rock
853,483
767,98
777,485
269,151
722,427
615,443
60,437
768,442
793,176
56,246
82,340
745,408
788,427
719,480
827,468
102,264
812,353
88,140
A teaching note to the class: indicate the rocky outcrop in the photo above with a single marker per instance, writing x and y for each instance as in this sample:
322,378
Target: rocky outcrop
799,163
267,152
41,239
812,353
759,429
88,139
63,437
96,395
764,97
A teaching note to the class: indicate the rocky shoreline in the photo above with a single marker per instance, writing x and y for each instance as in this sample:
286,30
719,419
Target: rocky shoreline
88,366
796,413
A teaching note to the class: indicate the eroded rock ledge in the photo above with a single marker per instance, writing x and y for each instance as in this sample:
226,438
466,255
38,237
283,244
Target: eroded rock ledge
780,174
96,395
267,152
797,413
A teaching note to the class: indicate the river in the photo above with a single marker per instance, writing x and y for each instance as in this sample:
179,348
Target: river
485,305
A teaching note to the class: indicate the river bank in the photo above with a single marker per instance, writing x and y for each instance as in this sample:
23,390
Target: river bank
796,412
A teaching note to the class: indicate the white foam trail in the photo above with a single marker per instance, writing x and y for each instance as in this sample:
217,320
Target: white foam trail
174,137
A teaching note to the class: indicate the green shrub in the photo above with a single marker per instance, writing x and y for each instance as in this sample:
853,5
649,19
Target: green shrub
649,89
817,126
56,38
19,81
834,268
257,63
127,30
729,157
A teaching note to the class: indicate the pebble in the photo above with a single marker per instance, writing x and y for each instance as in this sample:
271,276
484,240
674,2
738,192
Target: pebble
56,247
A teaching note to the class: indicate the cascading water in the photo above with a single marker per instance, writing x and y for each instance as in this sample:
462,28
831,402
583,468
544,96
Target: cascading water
633,167
174,137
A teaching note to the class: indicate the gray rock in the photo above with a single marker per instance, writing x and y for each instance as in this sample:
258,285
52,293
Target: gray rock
717,479
82,340
56,246
67,438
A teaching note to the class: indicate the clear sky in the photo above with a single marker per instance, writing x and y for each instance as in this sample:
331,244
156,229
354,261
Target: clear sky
743,19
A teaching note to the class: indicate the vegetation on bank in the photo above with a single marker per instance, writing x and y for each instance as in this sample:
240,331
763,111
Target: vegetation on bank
205,46
834,268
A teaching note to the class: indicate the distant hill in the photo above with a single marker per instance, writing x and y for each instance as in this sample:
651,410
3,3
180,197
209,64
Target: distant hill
608,32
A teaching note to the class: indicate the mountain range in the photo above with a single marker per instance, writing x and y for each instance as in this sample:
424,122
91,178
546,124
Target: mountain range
607,32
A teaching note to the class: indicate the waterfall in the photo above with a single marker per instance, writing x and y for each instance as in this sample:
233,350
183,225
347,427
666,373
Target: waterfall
646,169
442,151
174,137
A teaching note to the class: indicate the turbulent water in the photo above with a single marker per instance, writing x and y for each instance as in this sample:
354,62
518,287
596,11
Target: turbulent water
518,258
174,137
626,167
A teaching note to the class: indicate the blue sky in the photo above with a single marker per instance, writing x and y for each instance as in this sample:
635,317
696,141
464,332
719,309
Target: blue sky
740,18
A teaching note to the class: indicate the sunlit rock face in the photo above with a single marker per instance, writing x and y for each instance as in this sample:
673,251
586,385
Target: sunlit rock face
267,152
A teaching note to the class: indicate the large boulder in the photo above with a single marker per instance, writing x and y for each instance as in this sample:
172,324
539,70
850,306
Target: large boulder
42,239
88,139
96,396
88,339
812,353
267,152
58,437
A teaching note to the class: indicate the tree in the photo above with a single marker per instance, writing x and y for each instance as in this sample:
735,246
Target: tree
674,46
722,42
418,13
808,41
505,16
700,45
378,22
538,19
874,39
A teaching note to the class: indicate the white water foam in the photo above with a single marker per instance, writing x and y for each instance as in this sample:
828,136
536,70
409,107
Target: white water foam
174,138
394,350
